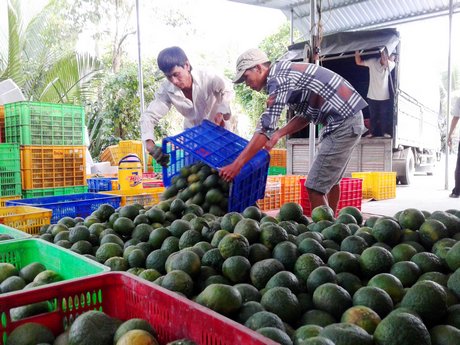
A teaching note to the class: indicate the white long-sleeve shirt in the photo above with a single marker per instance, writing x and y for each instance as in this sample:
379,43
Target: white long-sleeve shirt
211,94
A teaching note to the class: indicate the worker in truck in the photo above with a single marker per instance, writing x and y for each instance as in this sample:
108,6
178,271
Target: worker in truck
455,116
316,95
378,94
197,94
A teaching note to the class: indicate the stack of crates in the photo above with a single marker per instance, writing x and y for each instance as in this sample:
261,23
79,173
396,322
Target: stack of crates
377,185
50,138
277,162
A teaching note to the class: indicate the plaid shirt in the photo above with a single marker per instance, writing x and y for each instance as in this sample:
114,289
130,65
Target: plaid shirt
313,92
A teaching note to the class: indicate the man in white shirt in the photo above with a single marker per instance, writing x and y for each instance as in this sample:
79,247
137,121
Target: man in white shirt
378,94
455,116
196,94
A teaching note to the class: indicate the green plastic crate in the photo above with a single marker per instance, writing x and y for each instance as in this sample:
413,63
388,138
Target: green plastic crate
66,263
16,234
37,193
34,123
10,170
276,171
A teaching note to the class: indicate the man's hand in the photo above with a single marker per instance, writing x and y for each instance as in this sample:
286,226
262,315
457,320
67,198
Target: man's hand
449,142
218,119
157,153
229,172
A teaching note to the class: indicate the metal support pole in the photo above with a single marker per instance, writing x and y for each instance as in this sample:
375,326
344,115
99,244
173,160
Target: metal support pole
140,78
312,127
291,29
449,88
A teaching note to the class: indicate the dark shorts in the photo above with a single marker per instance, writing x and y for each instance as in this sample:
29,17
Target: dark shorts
334,153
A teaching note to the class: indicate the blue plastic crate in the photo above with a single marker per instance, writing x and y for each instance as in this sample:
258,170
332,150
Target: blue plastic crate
72,205
100,184
218,147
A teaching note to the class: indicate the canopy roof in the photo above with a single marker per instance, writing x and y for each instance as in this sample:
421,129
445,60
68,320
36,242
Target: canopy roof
343,42
347,15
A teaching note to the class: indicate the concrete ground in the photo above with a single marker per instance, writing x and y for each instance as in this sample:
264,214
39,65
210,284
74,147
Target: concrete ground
425,193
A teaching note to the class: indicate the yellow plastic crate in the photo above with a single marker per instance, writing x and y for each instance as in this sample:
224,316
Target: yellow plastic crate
114,153
126,147
110,154
379,185
53,166
25,218
366,176
146,196
272,199
278,157
4,199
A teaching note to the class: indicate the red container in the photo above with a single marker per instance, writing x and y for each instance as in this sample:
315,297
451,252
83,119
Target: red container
351,194
126,296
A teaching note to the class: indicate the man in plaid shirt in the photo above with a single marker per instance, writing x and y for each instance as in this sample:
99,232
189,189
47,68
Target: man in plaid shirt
316,95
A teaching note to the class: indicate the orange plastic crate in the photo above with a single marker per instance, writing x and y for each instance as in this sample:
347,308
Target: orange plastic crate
290,187
145,196
278,157
25,218
272,199
53,166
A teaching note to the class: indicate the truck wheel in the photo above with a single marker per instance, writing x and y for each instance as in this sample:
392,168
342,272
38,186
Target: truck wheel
409,167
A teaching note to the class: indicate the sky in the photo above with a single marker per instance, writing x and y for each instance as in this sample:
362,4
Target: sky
222,30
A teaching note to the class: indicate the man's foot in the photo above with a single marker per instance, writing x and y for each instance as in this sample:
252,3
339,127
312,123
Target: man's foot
386,135
453,195
368,135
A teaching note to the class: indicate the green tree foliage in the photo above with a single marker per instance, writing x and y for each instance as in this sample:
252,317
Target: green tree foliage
40,57
115,113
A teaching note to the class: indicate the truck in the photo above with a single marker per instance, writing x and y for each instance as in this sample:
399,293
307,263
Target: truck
416,140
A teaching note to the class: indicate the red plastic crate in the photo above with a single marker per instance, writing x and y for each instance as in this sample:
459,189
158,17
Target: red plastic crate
126,296
351,194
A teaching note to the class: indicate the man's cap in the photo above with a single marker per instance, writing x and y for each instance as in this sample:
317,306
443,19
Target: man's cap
250,58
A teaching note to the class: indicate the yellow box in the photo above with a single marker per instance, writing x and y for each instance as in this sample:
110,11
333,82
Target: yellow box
114,153
4,199
53,166
146,196
366,176
378,185
25,218
272,199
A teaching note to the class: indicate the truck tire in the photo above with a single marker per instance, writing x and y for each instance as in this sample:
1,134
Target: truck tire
405,168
